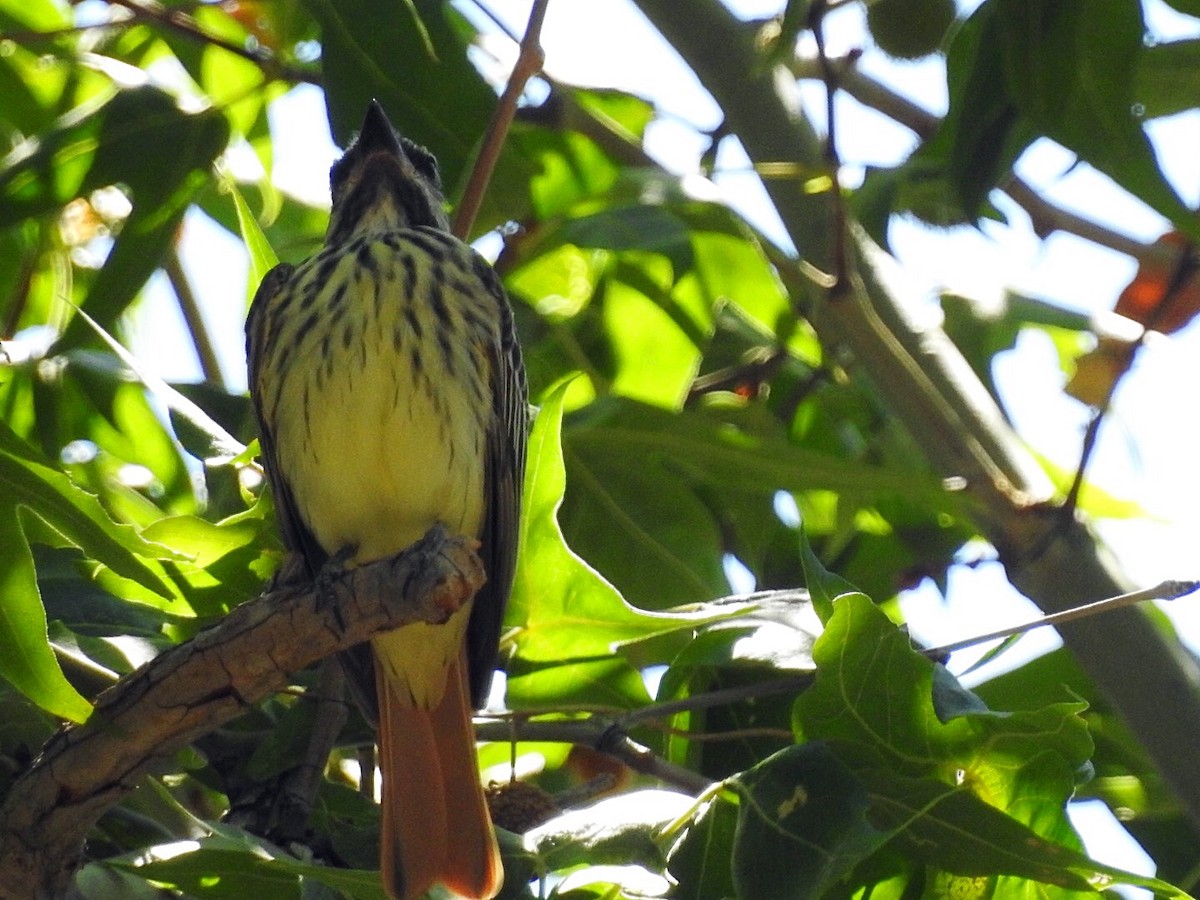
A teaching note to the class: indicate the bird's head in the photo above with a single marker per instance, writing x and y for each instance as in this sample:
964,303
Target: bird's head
383,182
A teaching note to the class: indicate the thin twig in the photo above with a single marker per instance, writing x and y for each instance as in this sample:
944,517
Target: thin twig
529,63
758,367
1181,273
183,24
210,365
722,697
501,26
841,260
600,735
609,734
716,737
1168,590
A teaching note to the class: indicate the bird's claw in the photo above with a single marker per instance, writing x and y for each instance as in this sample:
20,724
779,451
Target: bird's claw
333,570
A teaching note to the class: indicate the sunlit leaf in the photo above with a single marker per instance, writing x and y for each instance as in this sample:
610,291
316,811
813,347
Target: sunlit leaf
233,874
622,830
31,484
702,863
28,661
33,489
140,139
1166,75
262,256
623,516
824,586
953,829
561,610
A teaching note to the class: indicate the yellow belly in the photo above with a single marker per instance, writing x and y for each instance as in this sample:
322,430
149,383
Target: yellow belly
376,462
377,451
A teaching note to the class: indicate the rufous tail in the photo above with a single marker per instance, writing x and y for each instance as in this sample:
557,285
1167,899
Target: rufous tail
435,826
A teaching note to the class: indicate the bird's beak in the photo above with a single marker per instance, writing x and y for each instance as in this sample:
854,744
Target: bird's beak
377,134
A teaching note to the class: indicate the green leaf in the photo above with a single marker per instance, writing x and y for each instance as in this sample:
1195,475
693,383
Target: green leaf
702,862
905,734
644,525
222,445
26,658
769,629
824,586
31,485
918,762
295,231
32,489
652,527
1071,69
956,831
568,168
1187,7
861,651
1167,75
560,607
262,257
561,610
622,830
39,15
802,825
621,112
609,682
220,872
982,133
412,59
632,227
140,139
31,81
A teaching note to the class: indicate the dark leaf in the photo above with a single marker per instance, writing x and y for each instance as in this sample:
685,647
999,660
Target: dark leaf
702,862
411,57
802,826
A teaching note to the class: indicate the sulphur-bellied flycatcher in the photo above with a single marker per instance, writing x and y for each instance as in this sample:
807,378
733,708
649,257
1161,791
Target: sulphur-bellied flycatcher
391,396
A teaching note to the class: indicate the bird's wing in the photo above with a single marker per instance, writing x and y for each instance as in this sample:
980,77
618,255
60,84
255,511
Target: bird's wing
296,535
504,477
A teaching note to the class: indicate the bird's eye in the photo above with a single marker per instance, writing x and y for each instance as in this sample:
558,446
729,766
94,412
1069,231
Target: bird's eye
338,173
423,161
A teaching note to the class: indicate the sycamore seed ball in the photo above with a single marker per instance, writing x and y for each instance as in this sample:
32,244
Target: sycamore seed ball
910,29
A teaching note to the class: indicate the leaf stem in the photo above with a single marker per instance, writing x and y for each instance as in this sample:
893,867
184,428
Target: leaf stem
1167,590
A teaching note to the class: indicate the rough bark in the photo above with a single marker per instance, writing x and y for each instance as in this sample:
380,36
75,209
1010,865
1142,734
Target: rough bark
199,685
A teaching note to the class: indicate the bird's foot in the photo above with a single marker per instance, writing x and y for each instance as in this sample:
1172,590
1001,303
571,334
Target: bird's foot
333,571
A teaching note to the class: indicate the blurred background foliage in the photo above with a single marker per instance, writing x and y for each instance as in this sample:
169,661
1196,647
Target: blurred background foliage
695,409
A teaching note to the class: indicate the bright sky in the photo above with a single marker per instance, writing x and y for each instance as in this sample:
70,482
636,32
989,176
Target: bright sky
1148,447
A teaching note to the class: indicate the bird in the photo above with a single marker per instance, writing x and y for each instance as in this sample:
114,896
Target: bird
390,395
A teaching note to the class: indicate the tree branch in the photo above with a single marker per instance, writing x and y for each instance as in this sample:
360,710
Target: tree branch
920,375
195,687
